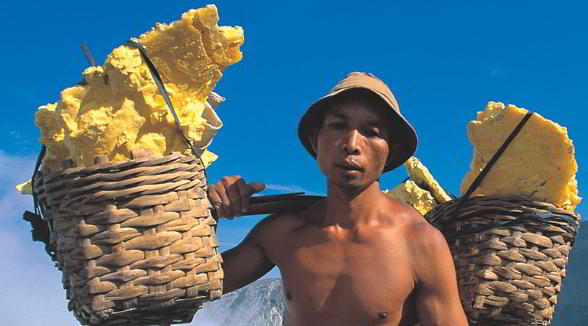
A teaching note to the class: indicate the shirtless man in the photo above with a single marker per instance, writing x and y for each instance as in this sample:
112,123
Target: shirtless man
357,257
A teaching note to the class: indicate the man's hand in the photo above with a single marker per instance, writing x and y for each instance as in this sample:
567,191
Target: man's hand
230,196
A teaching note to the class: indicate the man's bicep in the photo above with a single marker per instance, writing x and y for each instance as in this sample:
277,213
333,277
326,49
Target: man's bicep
438,297
245,263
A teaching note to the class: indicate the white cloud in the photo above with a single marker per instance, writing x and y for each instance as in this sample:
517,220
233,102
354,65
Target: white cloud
289,188
13,204
15,134
496,72
14,170
17,138
30,284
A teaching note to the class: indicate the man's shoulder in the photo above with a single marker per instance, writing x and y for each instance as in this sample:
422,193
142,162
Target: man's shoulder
425,235
274,222
285,222
417,230
404,213
427,244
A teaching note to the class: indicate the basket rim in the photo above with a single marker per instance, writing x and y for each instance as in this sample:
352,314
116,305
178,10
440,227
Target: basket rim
108,166
447,214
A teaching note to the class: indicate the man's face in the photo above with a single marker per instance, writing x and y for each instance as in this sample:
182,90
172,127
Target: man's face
352,145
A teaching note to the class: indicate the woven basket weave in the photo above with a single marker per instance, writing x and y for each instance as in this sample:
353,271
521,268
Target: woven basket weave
135,240
510,256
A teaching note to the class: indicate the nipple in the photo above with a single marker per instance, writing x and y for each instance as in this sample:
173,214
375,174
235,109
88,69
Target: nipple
288,295
382,315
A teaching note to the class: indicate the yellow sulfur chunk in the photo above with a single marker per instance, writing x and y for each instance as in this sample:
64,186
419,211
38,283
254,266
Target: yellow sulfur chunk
207,158
421,176
25,188
410,193
52,135
120,109
539,163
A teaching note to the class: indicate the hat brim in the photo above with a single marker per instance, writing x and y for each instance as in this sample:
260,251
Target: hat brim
404,135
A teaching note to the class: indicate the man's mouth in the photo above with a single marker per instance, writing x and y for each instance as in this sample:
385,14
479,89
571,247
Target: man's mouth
349,167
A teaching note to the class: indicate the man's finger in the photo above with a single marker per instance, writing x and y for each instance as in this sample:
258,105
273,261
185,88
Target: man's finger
215,200
256,187
251,189
221,212
234,198
245,194
225,200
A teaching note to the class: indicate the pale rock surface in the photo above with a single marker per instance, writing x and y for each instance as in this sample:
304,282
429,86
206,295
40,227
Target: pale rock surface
258,304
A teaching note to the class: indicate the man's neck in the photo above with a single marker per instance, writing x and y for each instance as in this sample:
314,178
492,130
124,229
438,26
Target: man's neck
347,208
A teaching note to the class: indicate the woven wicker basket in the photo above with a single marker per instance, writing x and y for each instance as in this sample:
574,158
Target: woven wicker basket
510,256
510,253
135,240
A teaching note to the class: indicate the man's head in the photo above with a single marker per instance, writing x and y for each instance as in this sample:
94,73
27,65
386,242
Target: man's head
352,143
371,94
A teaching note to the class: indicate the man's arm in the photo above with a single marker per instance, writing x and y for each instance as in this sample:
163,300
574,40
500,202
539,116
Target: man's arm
437,294
247,261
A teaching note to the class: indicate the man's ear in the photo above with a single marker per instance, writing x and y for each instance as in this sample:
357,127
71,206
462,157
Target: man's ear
394,152
313,139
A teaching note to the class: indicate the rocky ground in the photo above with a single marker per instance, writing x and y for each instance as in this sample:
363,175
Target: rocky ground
259,304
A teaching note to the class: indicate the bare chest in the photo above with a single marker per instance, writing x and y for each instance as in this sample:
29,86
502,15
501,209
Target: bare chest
360,280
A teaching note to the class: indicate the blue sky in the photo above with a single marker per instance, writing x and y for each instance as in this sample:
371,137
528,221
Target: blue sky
443,60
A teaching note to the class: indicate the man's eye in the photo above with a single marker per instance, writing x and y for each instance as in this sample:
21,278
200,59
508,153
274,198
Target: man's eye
337,125
372,132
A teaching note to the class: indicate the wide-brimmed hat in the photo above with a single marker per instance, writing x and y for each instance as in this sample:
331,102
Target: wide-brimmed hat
358,84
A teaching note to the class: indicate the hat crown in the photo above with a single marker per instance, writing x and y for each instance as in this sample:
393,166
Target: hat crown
369,81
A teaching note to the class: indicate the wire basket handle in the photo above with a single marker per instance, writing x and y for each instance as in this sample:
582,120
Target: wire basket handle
159,82
553,218
495,158
434,220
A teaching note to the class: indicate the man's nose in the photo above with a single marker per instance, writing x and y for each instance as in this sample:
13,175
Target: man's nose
350,142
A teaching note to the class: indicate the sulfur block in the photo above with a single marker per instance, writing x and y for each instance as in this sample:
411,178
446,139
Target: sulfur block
410,193
420,174
539,163
52,134
25,188
120,109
